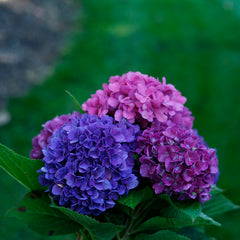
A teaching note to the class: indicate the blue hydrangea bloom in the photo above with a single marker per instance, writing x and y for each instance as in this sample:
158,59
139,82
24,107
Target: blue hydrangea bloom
88,163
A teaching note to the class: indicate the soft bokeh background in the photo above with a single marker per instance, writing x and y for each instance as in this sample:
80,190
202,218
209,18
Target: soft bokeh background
194,43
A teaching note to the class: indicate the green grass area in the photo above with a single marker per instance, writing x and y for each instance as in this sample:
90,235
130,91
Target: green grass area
194,43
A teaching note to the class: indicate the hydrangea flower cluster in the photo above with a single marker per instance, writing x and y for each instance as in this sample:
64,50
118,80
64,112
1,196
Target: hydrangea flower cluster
42,139
88,163
136,97
88,159
177,161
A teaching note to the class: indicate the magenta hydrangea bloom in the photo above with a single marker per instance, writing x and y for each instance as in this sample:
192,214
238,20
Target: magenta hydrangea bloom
138,98
42,139
177,161
88,163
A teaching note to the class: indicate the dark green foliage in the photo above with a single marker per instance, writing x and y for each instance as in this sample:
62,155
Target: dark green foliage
163,235
21,168
35,211
136,196
195,233
218,205
97,230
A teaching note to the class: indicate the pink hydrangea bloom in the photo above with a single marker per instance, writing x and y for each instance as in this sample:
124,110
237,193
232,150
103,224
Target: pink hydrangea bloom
42,139
177,161
138,98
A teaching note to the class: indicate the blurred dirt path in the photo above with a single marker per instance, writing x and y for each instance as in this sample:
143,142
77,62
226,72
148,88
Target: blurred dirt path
31,37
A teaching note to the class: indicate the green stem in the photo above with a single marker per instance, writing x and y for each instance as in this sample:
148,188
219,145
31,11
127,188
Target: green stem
135,220
79,236
127,232
143,213
118,236
82,235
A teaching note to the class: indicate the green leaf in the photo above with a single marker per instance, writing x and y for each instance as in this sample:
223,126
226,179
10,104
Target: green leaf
188,209
135,197
204,219
176,216
97,230
195,233
157,223
218,205
162,235
23,169
35,211
216,190
189,214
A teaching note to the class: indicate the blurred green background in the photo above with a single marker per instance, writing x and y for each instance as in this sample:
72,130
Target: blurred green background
194,43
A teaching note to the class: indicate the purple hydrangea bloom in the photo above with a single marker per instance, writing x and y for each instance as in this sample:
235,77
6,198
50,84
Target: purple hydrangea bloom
42,139
183,118
177,161
88,163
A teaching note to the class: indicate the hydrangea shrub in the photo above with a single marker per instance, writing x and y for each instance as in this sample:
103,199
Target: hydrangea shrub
122,169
